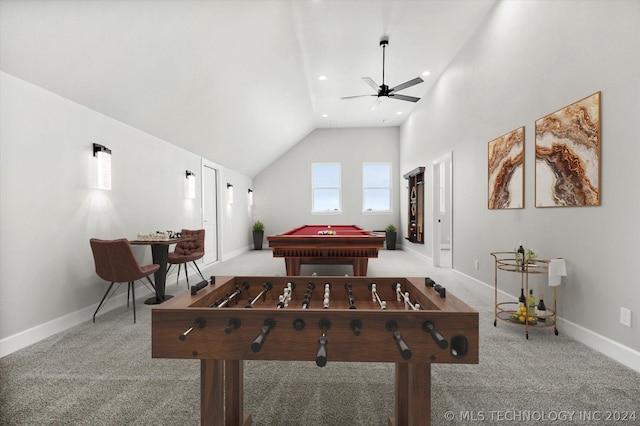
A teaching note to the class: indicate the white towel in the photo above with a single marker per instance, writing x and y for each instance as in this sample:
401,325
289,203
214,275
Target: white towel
557,270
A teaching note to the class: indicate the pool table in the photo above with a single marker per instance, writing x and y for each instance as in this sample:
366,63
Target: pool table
326,244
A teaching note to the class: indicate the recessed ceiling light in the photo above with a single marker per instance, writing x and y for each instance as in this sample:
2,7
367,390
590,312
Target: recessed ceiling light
426,73
325,115
322,78
399,113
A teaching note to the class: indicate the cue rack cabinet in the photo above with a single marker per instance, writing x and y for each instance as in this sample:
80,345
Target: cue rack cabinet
415,231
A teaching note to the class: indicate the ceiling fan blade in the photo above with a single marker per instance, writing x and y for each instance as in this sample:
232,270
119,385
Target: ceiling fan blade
404,97
371,83
406,84
356,96
376,103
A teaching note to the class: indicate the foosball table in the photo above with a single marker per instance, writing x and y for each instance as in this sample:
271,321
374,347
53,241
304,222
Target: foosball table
412,322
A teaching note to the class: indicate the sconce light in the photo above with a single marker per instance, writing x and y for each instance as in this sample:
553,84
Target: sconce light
250,192
102,155
190,185
229,193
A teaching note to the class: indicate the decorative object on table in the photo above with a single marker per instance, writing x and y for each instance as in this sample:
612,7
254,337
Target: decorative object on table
391,234
530,256
258,235
188,250
327,231
115,262
154,236
506,171
568,155
542,309
520,256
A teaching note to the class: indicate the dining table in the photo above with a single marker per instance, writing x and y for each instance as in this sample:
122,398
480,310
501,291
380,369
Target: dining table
160,255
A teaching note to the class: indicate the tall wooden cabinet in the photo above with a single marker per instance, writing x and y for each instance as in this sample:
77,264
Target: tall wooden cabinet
415,231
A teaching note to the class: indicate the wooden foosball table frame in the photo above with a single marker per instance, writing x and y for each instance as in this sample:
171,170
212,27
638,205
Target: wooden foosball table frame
214,324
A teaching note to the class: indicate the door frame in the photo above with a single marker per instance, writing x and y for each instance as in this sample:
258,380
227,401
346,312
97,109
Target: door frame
216,172
436,241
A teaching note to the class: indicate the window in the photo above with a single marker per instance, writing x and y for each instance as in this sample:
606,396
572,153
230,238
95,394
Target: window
325,182
376,187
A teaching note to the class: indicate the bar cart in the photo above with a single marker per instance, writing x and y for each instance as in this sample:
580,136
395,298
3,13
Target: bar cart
506,311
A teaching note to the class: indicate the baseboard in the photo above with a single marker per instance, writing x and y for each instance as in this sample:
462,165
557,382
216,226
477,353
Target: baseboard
25,338
235,253
614,350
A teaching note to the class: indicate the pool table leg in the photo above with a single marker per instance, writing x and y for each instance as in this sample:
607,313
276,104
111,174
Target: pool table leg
293,266
360,266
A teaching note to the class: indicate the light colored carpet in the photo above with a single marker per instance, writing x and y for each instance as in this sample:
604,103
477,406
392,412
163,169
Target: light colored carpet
103,373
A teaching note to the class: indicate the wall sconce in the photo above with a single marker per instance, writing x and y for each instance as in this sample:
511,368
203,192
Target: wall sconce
229,193
102,155
250,192
190,185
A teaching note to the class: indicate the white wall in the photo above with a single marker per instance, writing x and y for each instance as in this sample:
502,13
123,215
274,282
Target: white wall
48,210
283,190
528,60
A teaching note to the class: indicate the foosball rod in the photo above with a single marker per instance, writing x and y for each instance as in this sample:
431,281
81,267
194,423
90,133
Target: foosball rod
321,355
262,337
405,352
265,288
285,297
429,327
199,322
230,296
375,297
352,300
405,297
327,296
307,295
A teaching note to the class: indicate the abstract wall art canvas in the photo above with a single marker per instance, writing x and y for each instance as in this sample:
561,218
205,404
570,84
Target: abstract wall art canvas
506,171
568,155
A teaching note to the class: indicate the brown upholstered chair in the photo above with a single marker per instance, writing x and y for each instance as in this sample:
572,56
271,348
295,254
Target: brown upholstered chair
187,251
116,262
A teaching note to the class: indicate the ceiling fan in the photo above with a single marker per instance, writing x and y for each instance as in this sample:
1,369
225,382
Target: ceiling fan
383,89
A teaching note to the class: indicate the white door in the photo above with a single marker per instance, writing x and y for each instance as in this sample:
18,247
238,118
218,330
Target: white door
442,212
210,214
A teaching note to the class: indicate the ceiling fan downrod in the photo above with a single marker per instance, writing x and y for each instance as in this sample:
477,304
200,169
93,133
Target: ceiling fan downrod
384,43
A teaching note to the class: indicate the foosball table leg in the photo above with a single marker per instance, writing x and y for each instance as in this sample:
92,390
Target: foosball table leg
234,394
211,392
413,395
221,389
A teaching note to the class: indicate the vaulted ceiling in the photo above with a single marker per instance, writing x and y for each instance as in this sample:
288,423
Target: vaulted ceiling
236,82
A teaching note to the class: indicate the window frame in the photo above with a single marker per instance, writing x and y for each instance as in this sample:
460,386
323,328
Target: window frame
390,187
314,187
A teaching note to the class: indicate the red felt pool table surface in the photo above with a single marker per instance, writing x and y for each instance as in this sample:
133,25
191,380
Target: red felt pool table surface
346,244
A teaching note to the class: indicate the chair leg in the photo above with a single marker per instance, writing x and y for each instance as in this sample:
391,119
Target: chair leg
128,293
186,272
151,282
132,284
178,277
196,265
102,301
